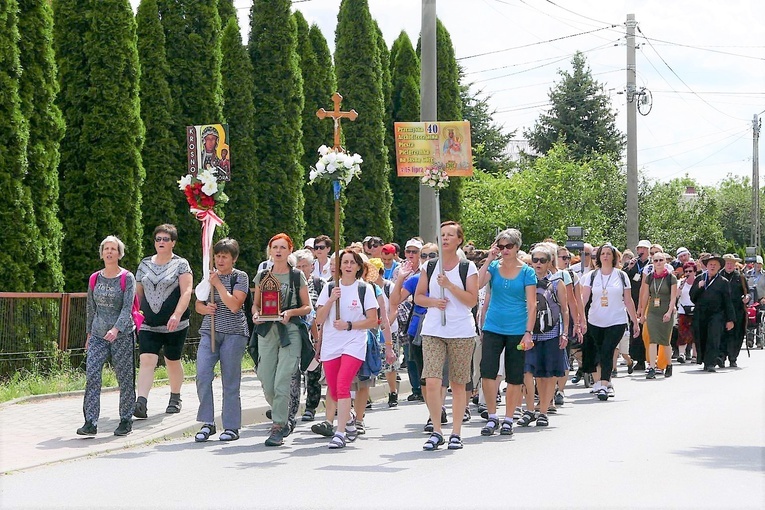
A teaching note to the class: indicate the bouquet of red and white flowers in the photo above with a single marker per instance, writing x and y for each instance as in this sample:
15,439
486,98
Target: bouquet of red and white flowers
203,191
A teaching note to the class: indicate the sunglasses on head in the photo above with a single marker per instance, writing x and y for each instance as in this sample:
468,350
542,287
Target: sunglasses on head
320,247
504,246
162,239
539,260
431,255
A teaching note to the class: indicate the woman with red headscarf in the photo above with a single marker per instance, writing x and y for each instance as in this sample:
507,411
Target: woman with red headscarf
279,342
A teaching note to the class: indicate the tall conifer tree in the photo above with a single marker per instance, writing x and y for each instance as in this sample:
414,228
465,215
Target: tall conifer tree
160,148
279,108
103,172
405,101
38,90
226,11
239,110
20,253
359,72
318,87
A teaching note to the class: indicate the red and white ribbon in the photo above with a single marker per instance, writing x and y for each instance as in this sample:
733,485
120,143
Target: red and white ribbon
209,220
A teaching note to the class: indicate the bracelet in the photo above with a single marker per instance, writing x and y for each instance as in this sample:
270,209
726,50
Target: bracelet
529,332
350,325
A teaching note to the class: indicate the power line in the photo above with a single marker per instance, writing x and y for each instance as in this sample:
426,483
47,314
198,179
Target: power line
535,43
702,48
607,45
576,13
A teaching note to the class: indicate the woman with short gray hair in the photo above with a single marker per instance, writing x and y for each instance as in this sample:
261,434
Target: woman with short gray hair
109,327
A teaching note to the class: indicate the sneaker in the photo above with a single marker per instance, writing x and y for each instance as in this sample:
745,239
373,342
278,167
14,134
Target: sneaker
276,438
602,394
415,397
651,374
140,408
124,428
681,359
610,391
631,367
392,399
577,377
89,429
324,428
559,398
444,419
668,371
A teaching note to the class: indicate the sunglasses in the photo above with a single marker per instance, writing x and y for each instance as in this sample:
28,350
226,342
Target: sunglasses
374,245
428,255
658,260
504,246
162,239
688,271
320,247
564,257
588,254
412,252
539,260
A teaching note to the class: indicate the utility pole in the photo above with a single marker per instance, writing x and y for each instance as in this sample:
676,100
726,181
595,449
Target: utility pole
428,111
632,174
756,231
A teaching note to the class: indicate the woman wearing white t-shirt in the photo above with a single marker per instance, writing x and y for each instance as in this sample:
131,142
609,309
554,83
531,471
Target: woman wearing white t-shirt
455,340
607,318
343,345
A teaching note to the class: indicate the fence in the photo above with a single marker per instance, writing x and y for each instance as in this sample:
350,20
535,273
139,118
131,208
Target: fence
42,331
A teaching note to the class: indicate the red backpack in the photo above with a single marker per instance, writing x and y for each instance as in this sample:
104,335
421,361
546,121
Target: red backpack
136,309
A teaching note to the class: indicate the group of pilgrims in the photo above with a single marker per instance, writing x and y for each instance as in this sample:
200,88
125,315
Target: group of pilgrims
461,318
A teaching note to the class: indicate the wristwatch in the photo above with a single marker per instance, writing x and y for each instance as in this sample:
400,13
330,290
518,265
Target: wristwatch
350,325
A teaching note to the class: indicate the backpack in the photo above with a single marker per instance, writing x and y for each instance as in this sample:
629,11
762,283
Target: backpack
621,276
362,293
464,265
135,311
548,307
246,306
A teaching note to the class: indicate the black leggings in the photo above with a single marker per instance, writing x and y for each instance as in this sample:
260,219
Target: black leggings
600,349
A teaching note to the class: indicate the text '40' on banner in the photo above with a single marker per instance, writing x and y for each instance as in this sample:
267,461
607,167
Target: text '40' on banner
421,145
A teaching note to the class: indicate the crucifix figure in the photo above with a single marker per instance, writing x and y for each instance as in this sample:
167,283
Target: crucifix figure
336,115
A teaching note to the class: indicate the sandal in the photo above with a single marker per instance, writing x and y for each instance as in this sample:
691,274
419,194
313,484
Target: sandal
542,421
324,428
428,426
308,415
491,427
434,441
507,428
205,432
466,416
174,406
351,432
229,435
360,427
455,442
337,442
526,419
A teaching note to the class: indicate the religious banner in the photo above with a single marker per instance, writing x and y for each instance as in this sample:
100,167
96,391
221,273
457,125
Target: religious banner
423,145
207,149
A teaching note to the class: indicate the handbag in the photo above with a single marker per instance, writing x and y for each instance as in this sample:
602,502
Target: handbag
307,350
688,309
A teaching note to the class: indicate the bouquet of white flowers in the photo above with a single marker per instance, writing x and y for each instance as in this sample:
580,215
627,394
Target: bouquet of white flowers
335,166
435,177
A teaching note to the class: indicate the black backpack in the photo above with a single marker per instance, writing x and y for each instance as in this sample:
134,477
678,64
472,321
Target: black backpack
548,307
246,306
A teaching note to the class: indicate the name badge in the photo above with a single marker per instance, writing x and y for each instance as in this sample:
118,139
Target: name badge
636,277
656,302
603,300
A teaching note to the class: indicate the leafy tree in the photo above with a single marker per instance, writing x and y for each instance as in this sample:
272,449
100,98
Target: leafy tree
580,115
239,109
359,72
318,87
405,100
102,170
734,197
38,90
161,147
449,107
488,139
668,219
279,108
20,253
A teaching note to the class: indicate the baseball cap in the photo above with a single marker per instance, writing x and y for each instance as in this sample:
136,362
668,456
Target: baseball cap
682,250
378,263
388,248
758,259
308,243
644,243
414,243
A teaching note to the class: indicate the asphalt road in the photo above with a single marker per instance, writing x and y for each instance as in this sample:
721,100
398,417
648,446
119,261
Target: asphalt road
696,440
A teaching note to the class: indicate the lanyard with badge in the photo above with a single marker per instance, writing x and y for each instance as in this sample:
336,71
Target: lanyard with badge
656,289
636,278
604,296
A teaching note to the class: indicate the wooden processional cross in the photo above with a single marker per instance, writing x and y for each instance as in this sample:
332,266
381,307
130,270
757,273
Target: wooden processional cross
336,115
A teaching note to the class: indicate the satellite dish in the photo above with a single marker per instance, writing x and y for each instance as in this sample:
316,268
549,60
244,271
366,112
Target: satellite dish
645,103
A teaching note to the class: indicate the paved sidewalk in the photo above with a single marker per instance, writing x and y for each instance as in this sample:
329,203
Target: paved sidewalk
42,430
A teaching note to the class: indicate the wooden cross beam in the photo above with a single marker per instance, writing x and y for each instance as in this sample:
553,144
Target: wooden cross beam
336,115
